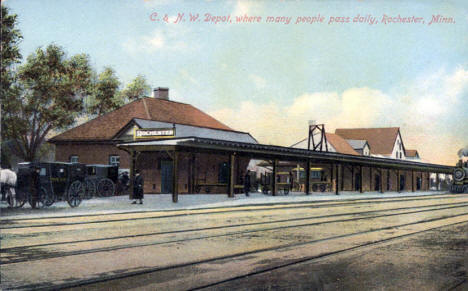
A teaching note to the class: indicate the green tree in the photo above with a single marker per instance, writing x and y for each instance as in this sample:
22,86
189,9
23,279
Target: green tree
9,57
106,95
10,54
49,95
137,89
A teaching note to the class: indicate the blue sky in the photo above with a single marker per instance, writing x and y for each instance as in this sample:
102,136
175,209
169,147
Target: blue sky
270,78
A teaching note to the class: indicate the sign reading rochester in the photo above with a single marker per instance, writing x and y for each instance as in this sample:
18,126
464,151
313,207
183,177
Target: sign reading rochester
154,133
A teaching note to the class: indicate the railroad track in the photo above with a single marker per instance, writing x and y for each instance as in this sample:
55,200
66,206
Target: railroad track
362,216
226,226
312,258
235,231
10,223
87,282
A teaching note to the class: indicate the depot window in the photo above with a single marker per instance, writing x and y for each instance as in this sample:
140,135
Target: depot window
315,174
73,159
114,160
223,173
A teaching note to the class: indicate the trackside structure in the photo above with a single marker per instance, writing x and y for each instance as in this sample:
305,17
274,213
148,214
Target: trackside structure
340,166
180,149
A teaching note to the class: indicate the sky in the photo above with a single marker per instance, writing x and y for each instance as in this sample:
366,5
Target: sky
353,69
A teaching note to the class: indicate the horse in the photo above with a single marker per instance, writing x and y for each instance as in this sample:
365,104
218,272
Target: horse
8,180
8,177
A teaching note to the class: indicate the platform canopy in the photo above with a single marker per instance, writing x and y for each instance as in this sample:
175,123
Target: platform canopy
262,151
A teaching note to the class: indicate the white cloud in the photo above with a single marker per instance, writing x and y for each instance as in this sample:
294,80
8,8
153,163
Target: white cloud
243,7
420,109
258,81
187,77
433,99
170,37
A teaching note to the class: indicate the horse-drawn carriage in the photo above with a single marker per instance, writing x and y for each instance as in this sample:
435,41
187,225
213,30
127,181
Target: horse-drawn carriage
101,180
59,182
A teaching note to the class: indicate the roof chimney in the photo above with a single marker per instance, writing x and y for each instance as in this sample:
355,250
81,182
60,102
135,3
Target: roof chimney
161,93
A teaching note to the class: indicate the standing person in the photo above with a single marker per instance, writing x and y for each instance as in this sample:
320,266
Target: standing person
125,180
247,183
35,187
138,187
291,181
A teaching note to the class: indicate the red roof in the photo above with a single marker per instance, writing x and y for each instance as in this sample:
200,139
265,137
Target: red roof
340,145
381,140
106,126
411,153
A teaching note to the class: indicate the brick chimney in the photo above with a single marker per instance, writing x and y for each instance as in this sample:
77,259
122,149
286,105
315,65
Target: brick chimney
161,93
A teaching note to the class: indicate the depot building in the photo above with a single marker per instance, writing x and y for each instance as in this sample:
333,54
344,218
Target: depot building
155,119
180,149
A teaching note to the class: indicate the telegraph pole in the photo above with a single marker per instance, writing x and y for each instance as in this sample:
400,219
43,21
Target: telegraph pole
1,140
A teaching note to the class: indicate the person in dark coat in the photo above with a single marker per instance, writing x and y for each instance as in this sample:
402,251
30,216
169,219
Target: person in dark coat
247,183
291,181
35,187
125,180
138,187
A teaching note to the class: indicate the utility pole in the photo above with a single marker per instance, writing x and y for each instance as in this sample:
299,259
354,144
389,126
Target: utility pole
1,140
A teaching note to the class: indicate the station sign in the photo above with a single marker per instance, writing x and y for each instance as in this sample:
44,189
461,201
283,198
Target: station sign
154,133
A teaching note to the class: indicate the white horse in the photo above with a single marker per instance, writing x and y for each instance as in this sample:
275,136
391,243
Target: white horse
8,178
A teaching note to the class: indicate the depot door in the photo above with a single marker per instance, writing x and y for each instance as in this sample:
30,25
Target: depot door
402,182
377,183
357,182
166,176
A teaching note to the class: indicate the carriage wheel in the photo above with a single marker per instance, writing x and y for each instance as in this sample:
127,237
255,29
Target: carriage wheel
21,198
314,188
41,200
323,187
16,201
90,189
75,193
46,197
105,187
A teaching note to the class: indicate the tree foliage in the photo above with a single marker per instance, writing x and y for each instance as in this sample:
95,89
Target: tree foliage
9,57
137,89
10,54
48,92
106,95
48,96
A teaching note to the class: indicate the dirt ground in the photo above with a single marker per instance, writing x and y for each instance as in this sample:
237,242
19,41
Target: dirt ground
435,260
347,245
